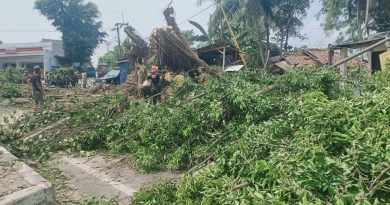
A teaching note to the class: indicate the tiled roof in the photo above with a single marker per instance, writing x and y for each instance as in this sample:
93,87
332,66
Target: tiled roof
315,57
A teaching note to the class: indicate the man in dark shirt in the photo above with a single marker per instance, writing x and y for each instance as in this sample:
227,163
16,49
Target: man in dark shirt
155,77
37,89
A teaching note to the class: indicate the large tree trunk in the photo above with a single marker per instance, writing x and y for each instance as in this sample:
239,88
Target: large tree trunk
359,21
366,20
267,29
281,40
288,26
260,39
286,42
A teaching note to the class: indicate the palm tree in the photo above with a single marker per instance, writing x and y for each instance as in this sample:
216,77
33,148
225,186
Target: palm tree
255,10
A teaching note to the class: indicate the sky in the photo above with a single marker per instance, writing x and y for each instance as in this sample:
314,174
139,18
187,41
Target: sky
21,23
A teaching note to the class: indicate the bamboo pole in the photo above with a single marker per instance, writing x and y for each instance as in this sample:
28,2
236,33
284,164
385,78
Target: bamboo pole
242,56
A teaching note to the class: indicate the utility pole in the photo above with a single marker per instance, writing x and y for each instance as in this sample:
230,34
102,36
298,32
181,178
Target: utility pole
117,27
108,44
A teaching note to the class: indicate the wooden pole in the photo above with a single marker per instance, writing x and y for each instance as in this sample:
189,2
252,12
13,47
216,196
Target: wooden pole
242,56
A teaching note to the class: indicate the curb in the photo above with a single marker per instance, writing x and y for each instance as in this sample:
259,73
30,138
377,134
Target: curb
41,191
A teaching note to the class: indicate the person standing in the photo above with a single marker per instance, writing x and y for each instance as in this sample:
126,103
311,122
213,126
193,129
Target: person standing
37,89
47,78
155,77
84,80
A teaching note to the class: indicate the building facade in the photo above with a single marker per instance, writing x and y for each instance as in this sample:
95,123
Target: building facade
46,54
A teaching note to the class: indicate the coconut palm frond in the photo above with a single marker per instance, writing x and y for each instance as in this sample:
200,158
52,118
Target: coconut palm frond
199,27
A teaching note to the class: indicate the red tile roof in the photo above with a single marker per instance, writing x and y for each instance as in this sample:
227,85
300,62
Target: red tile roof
316,57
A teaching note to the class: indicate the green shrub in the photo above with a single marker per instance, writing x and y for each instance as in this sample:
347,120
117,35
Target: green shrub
14,75
10,91
307,141
64,73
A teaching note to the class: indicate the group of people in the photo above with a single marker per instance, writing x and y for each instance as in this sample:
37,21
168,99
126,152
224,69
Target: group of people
151,87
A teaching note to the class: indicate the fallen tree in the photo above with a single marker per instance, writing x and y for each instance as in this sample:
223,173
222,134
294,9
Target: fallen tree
306,141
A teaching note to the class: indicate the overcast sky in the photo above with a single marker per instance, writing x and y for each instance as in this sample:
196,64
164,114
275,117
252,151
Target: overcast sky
20,23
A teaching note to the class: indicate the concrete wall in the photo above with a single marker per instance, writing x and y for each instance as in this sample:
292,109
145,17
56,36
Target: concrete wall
371,60
46,57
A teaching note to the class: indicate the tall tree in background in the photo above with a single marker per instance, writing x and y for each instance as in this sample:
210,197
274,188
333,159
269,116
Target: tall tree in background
78,22
247,16
257,8
108,59
111,57
381,15
355,16
288,16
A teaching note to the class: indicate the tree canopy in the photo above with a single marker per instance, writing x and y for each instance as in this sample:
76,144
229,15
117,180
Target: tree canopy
108,59
356,18
255,21
288,16
78,22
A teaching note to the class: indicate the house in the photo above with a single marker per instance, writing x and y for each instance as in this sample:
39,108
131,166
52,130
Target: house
215,54
375,46
47,54
310,57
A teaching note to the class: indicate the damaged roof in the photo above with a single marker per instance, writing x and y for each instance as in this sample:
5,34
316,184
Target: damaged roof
372,39
312,57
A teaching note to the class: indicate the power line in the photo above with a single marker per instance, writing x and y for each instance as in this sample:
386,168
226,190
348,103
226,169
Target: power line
197,14
34,31
27,31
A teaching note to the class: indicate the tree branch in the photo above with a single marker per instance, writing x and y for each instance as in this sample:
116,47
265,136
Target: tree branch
267,89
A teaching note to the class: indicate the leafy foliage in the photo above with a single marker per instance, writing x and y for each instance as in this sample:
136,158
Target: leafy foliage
63,73
351,14
81,32
10,91
10,82
108,59
381,16
288,16
13,75
307,141
64,76
316,150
